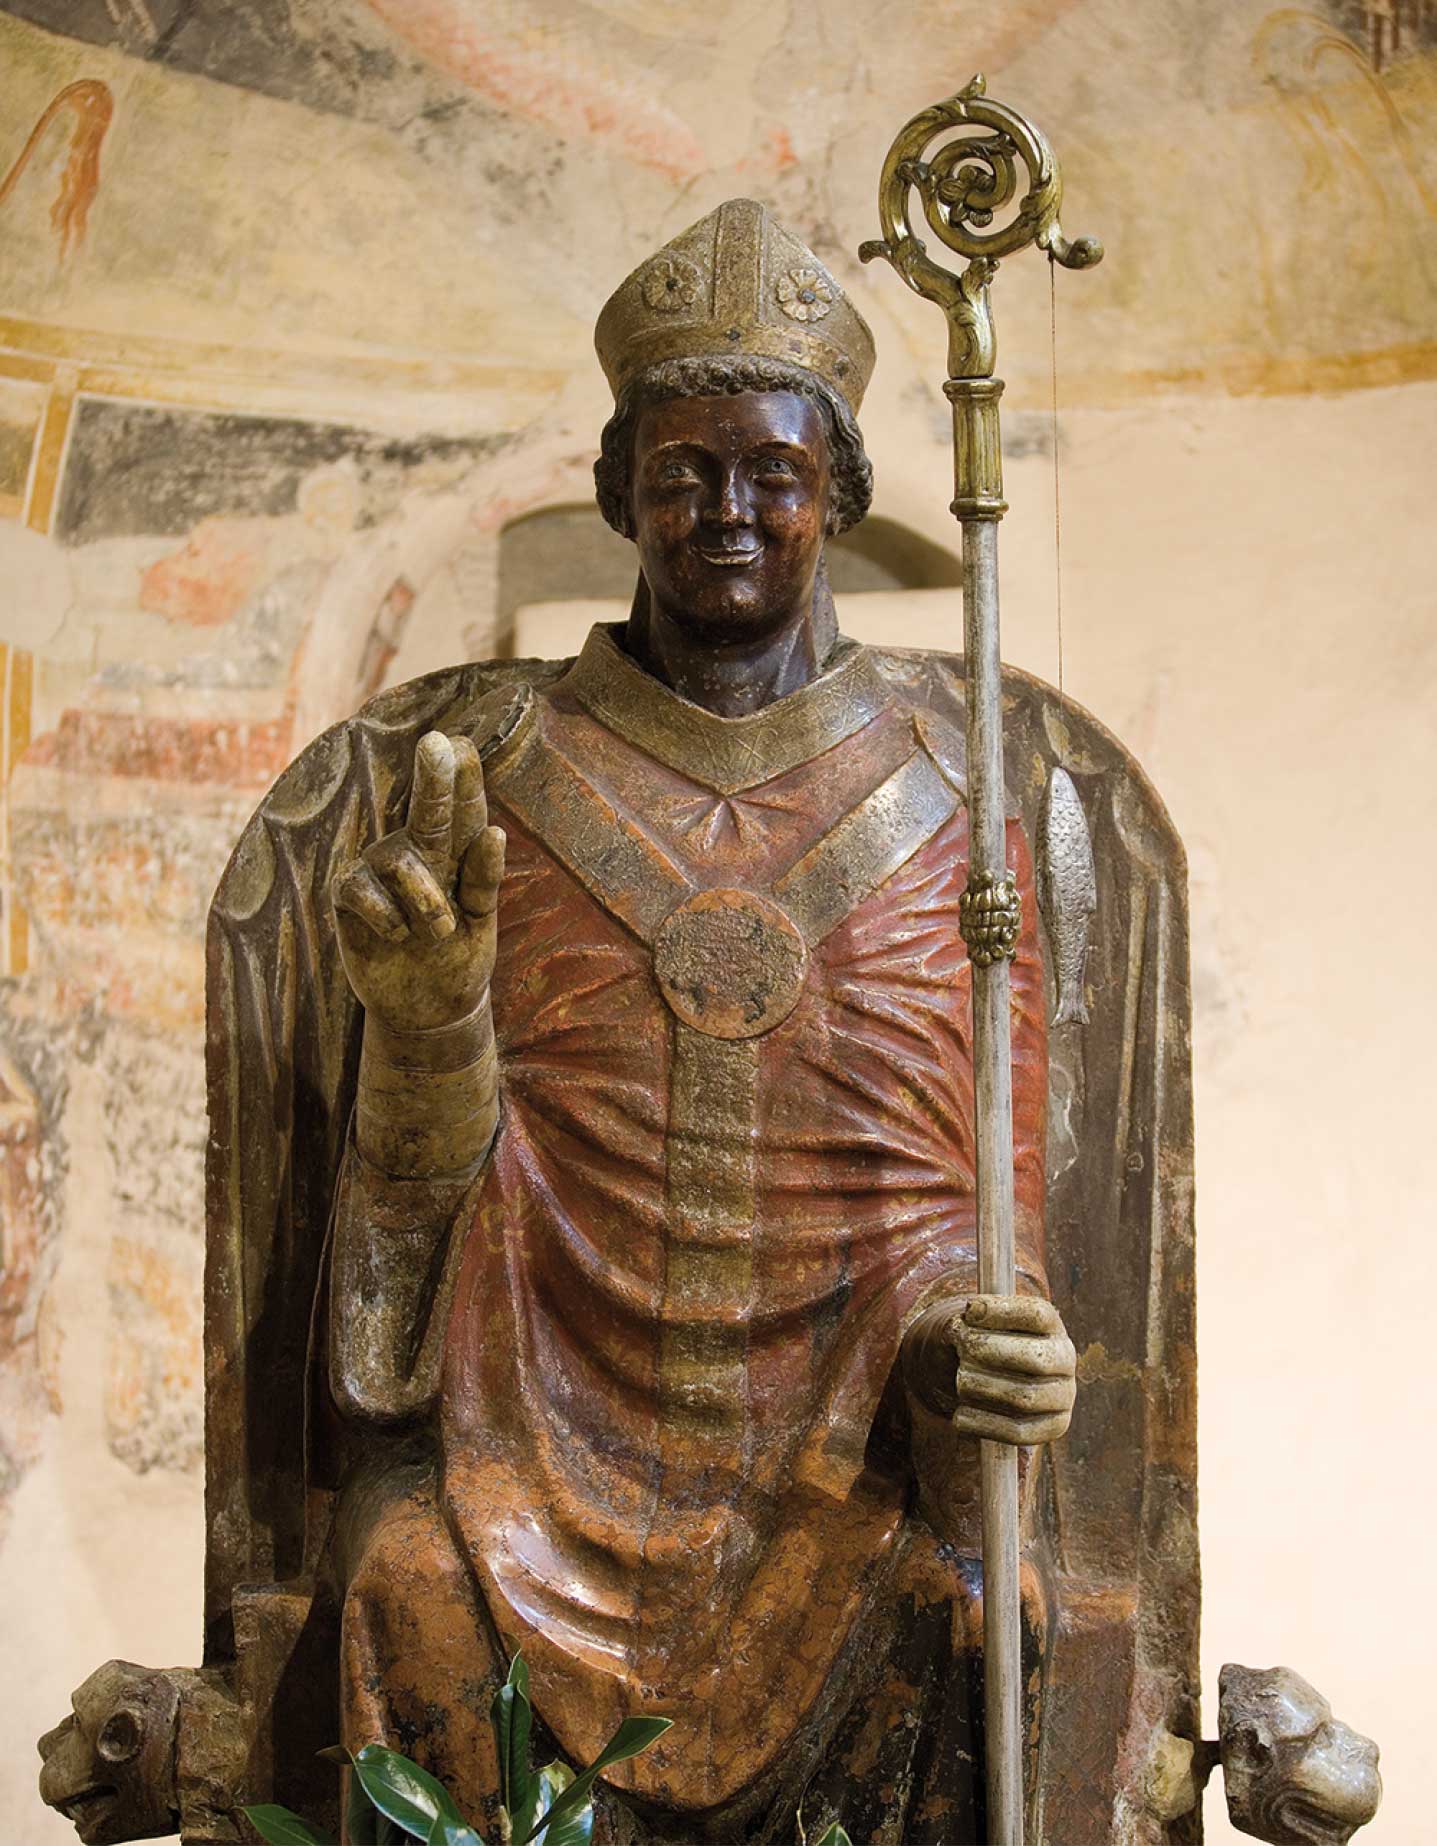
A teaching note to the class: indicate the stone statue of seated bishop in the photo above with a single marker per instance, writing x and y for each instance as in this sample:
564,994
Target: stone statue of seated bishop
592,1261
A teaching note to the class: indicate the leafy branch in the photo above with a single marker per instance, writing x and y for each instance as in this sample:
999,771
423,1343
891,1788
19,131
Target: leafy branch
392,1800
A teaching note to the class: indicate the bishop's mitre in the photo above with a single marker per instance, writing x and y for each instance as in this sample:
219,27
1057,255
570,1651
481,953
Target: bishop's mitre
735,283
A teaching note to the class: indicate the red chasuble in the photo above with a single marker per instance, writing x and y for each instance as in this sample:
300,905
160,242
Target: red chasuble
735,1160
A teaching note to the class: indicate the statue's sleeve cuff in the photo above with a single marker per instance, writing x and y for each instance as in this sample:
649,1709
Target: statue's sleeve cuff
391,1204
396,1251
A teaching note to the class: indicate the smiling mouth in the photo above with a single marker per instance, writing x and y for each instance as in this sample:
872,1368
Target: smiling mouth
729,555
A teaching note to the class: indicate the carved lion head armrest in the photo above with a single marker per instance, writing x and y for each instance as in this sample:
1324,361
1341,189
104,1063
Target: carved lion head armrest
1293,1774
110,1766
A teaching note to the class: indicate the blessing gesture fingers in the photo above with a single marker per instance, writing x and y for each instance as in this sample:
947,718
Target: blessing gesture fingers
1017,1370
416,910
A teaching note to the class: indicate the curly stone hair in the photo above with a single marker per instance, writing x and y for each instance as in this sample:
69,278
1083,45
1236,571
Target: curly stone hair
851,491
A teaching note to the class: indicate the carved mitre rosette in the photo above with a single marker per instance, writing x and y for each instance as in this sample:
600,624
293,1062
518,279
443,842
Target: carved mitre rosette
736,284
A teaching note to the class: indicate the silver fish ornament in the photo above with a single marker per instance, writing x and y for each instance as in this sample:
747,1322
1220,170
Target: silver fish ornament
1067,890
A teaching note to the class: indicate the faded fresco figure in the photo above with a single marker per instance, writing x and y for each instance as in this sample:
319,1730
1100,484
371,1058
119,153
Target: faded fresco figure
592,1261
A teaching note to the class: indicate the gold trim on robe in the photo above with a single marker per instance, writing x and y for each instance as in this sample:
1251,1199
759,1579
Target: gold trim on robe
695,1250
726,754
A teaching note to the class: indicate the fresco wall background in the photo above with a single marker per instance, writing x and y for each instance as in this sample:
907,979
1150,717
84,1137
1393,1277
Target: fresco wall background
296,301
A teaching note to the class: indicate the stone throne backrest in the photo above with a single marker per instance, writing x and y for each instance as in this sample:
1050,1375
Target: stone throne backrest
282,1053
1117,1511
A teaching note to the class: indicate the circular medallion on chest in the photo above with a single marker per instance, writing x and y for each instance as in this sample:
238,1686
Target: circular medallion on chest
729,963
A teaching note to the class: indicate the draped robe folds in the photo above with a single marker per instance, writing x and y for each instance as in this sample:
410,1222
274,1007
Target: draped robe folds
673,1448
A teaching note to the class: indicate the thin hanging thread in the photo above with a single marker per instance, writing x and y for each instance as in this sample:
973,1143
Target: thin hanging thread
1057,498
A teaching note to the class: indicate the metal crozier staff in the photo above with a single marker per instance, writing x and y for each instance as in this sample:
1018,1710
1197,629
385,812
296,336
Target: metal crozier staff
963,187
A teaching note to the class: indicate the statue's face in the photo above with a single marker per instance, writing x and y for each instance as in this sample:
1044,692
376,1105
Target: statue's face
730,504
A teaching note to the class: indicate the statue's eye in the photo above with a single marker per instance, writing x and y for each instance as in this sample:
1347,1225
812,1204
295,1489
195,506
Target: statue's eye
775,468
120,1736
674,473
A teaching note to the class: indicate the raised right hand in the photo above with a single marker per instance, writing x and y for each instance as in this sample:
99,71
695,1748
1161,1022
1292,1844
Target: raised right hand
416,911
